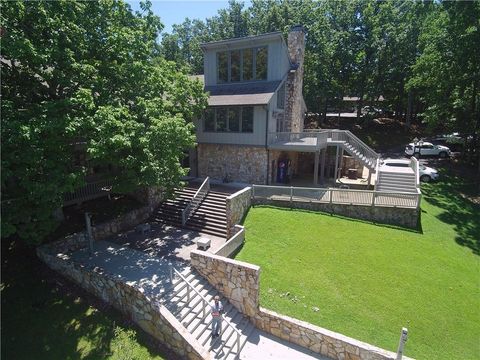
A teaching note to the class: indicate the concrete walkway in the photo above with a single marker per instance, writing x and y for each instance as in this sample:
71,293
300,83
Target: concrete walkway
137,268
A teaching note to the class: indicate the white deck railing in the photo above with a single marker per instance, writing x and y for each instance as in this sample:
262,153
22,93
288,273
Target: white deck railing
196,200
319,138
337,196
414,164
205,303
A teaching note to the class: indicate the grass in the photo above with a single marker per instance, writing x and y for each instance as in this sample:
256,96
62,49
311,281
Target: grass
46,317
368,281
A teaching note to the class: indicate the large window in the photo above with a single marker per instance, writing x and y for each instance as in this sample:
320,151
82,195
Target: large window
229,119
222,62
242,65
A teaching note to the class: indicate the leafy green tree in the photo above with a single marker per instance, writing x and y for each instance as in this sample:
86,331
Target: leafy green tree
447,73
86,72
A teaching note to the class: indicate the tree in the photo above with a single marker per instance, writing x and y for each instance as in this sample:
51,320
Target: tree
86,71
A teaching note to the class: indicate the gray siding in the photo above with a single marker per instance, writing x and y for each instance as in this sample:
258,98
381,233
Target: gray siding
255,138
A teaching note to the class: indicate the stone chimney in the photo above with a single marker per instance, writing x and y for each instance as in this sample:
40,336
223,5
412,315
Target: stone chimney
294,105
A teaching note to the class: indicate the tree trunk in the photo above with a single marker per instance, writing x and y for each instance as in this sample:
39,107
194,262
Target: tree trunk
409,109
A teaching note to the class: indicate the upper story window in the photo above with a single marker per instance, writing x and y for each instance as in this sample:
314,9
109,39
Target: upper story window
229,119
242,65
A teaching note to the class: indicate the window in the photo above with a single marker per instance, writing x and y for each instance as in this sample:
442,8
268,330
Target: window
242,65
229,119
209,120
247,70
281,97
247,119
235,65
234,119
222,66
221,119
261,63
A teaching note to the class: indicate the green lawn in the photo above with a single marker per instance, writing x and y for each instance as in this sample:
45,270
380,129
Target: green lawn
367,281
46,317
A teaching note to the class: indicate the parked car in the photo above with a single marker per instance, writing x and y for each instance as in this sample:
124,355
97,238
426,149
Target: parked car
427,149
454,141
425,173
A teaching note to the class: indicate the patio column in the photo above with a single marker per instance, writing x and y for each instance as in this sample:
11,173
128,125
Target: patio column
369,178
315,168
322,165
336,169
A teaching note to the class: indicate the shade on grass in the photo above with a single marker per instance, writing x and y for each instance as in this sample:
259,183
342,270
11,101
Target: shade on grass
368,281
42,320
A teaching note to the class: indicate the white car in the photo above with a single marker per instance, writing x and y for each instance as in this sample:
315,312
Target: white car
425,173
427,149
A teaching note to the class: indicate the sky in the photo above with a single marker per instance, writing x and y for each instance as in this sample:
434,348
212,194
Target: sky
175,12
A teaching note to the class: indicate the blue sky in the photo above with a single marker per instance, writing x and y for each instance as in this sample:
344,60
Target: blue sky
174,12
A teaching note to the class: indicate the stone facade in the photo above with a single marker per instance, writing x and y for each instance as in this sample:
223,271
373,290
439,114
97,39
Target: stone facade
406,217
236,280
246,164
146,312
294,104
237,206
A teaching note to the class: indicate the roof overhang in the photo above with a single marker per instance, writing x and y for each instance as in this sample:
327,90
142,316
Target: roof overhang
256,93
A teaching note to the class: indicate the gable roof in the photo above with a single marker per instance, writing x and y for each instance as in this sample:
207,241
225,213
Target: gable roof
254,93
242,41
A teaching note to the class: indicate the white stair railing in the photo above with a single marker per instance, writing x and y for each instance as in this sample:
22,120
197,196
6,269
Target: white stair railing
363,148
196,200
205,302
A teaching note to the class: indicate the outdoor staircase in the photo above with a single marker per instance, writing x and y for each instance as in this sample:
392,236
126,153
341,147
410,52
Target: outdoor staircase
209,217
192,311
396,182
369,162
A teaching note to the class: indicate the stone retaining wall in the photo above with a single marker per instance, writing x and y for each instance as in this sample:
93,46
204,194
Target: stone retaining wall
239,283
152,317
317,339
233,243
236,280
404,217
237,206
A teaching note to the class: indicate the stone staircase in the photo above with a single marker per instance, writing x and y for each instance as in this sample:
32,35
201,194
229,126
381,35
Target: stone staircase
190,309
396,182
209,218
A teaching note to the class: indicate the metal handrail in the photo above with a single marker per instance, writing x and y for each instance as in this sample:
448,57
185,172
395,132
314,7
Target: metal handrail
196,200
205,302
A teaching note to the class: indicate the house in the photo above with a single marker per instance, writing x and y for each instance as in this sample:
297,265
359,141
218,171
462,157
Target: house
253,129
255,86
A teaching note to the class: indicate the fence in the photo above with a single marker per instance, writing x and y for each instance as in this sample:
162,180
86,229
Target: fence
337,196
89,191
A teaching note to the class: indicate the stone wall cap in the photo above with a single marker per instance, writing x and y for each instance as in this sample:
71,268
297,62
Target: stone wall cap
225,259
240,192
